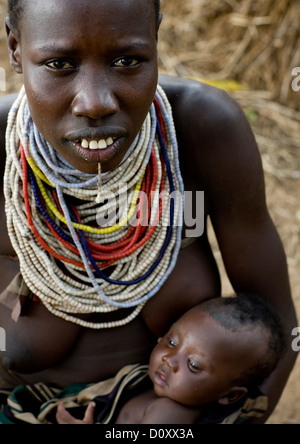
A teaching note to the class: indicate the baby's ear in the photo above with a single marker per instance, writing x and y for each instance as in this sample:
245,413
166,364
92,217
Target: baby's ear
159,340
14,48
235,394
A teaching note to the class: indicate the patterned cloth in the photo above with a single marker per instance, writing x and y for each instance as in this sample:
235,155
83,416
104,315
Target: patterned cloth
37,404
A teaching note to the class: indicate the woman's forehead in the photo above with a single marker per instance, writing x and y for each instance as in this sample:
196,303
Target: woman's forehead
57,17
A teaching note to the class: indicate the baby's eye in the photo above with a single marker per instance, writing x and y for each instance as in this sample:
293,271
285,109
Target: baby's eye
60,65
193,366
172,343
126,62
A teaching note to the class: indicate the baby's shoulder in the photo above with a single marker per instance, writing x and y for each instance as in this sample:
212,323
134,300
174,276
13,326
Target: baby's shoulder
166,411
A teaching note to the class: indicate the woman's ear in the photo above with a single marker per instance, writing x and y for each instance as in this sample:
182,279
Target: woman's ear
160,18
235,394
159,23
14,48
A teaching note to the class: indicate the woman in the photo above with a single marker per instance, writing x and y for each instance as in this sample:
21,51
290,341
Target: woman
90,76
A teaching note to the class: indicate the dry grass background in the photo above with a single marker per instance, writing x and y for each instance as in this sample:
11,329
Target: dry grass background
257,44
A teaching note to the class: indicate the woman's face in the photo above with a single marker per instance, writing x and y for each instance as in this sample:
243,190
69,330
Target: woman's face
90,73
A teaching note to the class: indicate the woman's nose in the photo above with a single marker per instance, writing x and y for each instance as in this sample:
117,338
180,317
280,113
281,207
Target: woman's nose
95,100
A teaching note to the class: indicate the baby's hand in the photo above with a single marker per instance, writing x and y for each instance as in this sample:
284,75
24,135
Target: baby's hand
64,417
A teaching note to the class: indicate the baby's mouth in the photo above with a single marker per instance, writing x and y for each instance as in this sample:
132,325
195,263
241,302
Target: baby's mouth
161,377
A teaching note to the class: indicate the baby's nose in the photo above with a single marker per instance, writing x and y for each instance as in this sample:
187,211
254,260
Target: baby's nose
171,361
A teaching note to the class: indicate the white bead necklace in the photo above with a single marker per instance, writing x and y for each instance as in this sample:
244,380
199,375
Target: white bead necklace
136,277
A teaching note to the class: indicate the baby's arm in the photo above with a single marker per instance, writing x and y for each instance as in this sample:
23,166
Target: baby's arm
166,411
161,411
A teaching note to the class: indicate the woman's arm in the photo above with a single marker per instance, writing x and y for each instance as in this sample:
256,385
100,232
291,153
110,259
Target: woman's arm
251,248
220,155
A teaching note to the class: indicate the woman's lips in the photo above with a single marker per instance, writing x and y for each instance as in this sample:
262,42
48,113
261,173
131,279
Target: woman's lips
97,144
98,151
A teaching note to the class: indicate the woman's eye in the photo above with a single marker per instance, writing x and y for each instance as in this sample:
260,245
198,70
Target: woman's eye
126,62
60,65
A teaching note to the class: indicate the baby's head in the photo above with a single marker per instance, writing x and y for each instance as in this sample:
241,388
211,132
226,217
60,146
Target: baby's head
217,351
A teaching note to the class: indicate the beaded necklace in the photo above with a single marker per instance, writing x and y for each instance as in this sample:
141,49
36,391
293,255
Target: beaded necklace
72,265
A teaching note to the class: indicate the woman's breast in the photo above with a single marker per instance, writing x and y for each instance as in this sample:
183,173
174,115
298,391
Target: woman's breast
98,355
62,354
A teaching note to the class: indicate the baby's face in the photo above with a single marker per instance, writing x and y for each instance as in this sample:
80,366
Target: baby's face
196,362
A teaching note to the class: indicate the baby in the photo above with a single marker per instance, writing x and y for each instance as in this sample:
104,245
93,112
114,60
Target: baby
212,356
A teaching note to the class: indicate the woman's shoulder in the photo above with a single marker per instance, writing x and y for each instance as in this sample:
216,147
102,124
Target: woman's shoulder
196,101
5,105
208,122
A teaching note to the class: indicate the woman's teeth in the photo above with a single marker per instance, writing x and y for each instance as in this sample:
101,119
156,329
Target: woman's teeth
97,144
